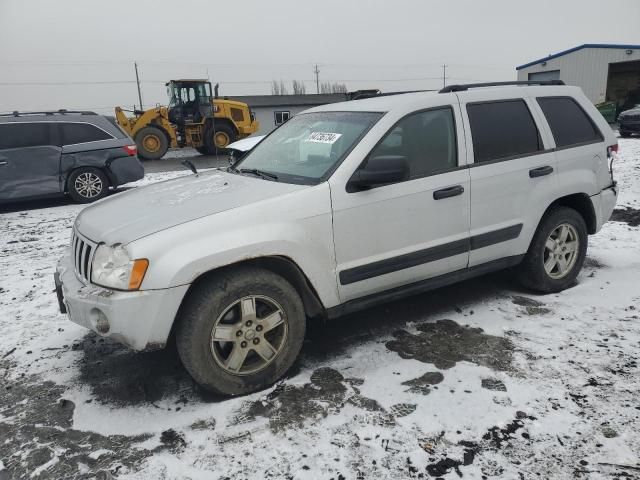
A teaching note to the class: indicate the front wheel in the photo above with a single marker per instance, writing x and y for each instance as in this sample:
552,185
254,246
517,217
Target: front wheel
152,143
240,331
556,253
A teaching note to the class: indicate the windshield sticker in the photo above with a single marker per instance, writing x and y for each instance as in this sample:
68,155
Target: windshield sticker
323,137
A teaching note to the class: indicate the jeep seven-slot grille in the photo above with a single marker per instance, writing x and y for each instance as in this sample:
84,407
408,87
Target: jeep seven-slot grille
82,251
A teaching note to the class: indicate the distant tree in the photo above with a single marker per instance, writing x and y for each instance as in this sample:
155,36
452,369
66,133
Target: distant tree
299,87
278,88
328,87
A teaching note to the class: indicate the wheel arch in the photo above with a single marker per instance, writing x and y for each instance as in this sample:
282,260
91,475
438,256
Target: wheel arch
580,202
280,265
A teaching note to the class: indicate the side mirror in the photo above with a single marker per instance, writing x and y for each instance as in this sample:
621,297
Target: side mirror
378,171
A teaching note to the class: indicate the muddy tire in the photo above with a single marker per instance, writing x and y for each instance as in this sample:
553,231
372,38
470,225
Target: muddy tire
87,184
152,143
217,137
240,330
556,253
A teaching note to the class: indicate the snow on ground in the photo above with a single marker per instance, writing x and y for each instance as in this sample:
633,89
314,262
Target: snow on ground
476,380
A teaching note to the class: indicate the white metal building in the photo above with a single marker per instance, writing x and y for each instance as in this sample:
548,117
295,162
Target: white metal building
273,110
604,72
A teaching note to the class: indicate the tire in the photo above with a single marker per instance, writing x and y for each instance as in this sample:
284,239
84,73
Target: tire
87,184
533,271
217,137
218,302
625,134
201,150
152,143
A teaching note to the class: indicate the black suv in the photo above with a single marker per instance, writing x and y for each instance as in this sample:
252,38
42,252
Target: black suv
81,154
629,121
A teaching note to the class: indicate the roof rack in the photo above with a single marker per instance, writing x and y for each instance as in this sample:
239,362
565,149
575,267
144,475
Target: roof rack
462,88
362,94
62,111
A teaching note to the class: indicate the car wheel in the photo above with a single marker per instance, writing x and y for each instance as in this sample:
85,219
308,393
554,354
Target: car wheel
624,134
152,143
201,150
217,138
556,253
240,331
86,185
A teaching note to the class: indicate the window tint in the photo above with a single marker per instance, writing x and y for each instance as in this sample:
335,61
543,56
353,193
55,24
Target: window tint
569,124
502,129
426,139
81,132
20,135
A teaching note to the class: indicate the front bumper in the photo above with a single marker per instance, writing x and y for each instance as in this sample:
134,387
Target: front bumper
140,320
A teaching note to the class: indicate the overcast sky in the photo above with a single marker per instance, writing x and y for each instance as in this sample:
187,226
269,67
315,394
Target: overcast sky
80,53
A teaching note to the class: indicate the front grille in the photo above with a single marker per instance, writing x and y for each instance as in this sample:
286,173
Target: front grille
82,251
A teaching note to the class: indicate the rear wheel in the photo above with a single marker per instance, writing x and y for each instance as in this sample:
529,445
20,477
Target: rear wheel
625,134
201,150
240,331
218,137
556,253
152,143
87,184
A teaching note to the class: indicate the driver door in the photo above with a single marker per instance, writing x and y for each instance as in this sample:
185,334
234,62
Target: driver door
397,234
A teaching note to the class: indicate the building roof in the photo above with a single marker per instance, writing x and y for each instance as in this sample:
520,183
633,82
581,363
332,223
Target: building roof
580,47
308,100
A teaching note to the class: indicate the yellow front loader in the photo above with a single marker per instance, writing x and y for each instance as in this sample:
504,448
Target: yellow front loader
194,118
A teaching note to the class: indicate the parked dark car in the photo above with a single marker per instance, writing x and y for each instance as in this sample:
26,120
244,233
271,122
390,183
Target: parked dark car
629,122
81,154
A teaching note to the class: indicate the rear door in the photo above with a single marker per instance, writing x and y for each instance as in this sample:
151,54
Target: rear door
29,161
513,174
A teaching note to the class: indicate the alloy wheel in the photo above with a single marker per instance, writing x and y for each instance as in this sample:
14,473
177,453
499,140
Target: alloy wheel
88,185
561,251
249,335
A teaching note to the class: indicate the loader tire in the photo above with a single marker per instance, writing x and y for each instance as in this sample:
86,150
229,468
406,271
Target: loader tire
217,138
152,143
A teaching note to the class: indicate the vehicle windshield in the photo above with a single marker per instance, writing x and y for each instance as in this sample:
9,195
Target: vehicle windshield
309,146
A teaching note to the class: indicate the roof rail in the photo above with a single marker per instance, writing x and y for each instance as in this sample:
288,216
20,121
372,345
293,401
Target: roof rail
462,88
362,94
62,111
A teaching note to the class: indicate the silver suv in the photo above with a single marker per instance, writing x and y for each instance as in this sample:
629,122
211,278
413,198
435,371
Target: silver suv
343,207
81,154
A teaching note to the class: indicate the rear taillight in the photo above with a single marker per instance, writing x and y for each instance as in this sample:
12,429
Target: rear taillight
130,149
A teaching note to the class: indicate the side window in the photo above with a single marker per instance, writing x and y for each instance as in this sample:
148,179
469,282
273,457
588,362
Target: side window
502,129
281,117
427,139
73,133
569,123
21,135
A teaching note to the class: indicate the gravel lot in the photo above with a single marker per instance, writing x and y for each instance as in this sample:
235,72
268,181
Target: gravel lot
477,380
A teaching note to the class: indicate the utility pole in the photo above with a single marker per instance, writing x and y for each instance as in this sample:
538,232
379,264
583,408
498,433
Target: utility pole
316,70
444,75
135,64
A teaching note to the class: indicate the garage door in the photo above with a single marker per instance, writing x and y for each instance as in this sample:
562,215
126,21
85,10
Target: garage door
550,75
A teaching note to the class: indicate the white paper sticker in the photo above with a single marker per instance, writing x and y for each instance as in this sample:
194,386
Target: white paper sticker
323,137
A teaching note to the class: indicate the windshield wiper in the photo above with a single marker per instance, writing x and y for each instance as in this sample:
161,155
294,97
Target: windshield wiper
259,173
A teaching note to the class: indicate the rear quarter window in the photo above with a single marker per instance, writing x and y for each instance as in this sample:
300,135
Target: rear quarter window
73,133
502,129
569,123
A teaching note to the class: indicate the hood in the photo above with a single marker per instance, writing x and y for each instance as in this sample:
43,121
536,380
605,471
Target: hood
632,111
142,211
246,144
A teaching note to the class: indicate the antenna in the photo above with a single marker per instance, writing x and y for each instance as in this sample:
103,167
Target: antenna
316,70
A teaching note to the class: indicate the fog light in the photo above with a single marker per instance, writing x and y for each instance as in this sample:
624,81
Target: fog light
99,320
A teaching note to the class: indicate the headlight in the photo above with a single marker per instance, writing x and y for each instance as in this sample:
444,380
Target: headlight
112,267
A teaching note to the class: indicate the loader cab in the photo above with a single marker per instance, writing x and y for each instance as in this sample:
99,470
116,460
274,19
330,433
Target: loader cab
190,101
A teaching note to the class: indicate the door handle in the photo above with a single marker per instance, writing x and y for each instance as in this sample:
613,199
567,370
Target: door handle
448,192
3,163
540,171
